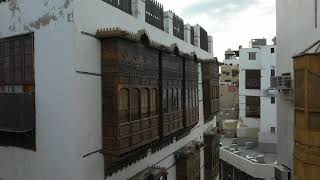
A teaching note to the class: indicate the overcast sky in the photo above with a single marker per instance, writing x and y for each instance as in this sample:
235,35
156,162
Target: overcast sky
230,22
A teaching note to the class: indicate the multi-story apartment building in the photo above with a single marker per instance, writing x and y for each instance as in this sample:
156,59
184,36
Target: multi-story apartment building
105,89
251,155
298,105
257,109
229,86
230,68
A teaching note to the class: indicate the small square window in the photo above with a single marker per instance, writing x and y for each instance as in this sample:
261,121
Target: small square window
252,55
273,130
272,50
273,100
273,73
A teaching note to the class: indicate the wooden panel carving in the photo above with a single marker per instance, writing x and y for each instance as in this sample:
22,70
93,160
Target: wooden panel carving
130,78
191,97
188,162
171,93
307,117
210,85
211,154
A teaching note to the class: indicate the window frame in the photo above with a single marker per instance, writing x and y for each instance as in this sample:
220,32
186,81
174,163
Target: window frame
252,56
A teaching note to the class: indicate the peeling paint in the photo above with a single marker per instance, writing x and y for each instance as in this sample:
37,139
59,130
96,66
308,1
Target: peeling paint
52,11
43,21
14,7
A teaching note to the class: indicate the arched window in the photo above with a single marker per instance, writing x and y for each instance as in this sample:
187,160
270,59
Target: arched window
190,98
197,98
145,104
154,102
175,100
135,104
165,101
179,100
194,97
170,100
123,106
187,98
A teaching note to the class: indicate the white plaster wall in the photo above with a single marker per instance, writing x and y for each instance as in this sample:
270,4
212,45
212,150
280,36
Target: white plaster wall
265,61
68,103
245,64
58,154
256,170
295,32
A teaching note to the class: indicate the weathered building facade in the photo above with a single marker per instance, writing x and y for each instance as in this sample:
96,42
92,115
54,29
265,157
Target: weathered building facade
107,98
298,134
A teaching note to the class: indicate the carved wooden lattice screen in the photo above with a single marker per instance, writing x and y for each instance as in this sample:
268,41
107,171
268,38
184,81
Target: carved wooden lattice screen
307,115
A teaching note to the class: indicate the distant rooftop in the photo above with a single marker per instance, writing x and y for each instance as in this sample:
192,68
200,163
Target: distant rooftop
268,158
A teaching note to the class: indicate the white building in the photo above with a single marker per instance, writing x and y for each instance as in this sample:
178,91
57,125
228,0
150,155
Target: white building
257,110
68,99
292,38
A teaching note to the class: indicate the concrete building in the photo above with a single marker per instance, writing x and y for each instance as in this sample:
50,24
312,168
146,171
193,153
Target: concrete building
62,43
229,86
257,109
230,68
240,162
293,37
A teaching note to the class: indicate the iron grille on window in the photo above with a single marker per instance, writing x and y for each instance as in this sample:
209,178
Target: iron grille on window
154,14
203,39
192,35
123,5
178,27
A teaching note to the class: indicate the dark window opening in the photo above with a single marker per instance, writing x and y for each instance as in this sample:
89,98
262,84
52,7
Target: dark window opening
123,106
253,106
273,73
154,102
252,55
235,73
253,79
272,50
273,130
145,112
273,100
135,105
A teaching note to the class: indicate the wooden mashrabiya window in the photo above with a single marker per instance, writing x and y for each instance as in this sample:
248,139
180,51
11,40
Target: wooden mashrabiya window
191,96
188,161
17,91
307,113
210,85
171,90
130,88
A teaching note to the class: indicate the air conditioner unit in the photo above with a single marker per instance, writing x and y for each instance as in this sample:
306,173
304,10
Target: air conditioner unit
281,82
284,82
274,82
282,173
